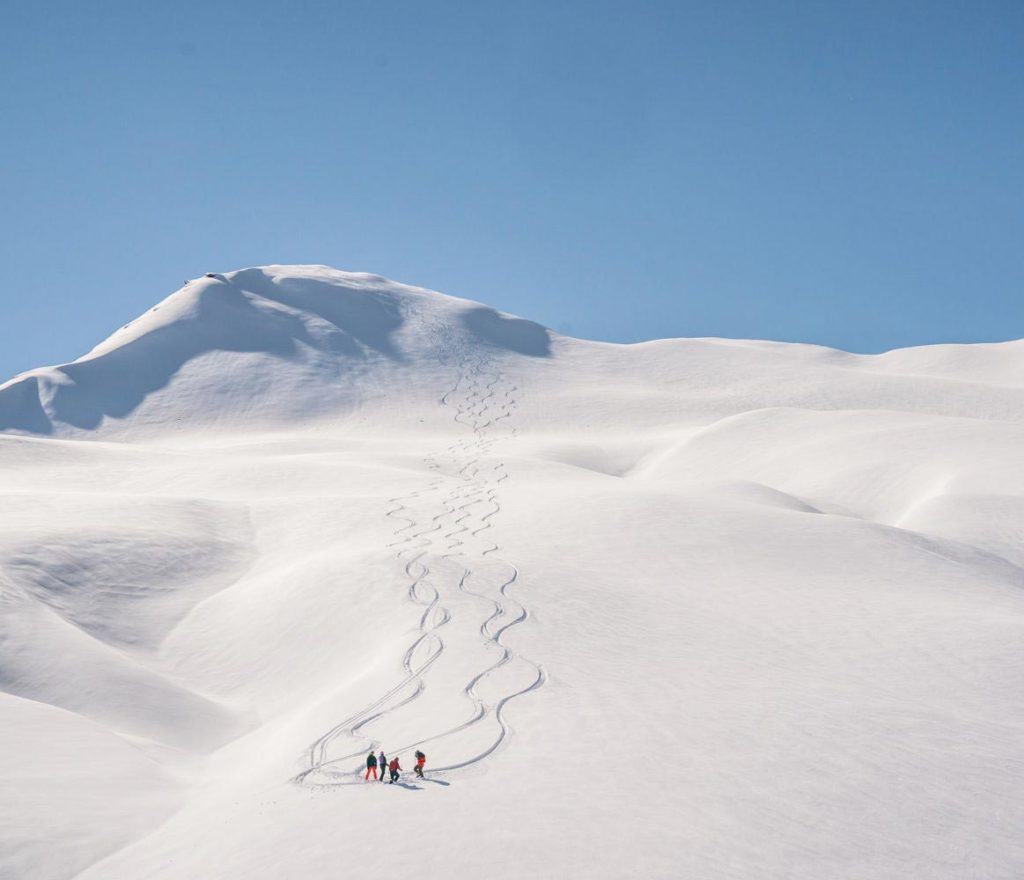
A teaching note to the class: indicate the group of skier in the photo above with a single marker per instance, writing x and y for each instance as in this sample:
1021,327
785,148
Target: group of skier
374,761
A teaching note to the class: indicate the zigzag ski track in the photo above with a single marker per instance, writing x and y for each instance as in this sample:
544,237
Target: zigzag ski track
443,558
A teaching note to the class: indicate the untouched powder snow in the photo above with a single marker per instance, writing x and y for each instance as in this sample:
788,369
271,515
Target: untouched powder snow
692,608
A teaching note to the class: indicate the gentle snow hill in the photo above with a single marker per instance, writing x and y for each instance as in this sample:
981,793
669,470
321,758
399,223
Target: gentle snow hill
697,608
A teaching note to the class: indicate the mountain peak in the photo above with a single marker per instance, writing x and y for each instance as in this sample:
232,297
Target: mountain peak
265,343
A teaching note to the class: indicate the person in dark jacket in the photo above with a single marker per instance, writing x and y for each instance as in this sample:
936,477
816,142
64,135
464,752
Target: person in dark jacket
382,762
421,759
371,767
394,767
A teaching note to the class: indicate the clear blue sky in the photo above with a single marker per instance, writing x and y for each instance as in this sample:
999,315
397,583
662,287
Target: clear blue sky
848,173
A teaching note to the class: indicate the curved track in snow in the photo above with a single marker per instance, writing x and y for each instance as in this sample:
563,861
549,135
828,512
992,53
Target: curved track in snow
448,521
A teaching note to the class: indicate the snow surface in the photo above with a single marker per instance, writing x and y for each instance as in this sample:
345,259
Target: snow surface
692,608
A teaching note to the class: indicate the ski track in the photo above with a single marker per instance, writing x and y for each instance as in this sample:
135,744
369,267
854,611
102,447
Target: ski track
463,483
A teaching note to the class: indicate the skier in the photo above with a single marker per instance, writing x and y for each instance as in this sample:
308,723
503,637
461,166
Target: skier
382,762
394,767
371,767
421,759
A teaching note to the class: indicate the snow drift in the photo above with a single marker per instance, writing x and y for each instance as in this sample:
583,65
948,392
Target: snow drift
689,608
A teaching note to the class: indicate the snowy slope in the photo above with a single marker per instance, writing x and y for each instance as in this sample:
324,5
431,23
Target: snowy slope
690,608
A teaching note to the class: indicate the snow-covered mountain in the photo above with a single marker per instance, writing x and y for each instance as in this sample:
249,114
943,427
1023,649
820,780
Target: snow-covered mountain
690,608
259,347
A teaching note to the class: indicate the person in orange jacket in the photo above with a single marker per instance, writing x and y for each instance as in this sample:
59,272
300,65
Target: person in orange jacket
394,767
421,759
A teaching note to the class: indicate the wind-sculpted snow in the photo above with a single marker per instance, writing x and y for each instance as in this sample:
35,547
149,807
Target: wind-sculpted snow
690,608
513,334
21,408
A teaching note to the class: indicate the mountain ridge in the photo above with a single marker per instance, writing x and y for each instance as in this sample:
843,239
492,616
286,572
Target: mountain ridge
270,344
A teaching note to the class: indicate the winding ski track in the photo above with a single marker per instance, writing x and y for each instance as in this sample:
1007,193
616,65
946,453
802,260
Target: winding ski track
464,482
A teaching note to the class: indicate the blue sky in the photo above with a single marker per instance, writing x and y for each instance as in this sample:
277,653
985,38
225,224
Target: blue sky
850,174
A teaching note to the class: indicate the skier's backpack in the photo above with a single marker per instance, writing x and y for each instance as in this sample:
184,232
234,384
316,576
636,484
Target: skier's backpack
420,754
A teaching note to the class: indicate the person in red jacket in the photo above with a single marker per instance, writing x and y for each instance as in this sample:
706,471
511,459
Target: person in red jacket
394,767
421,759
